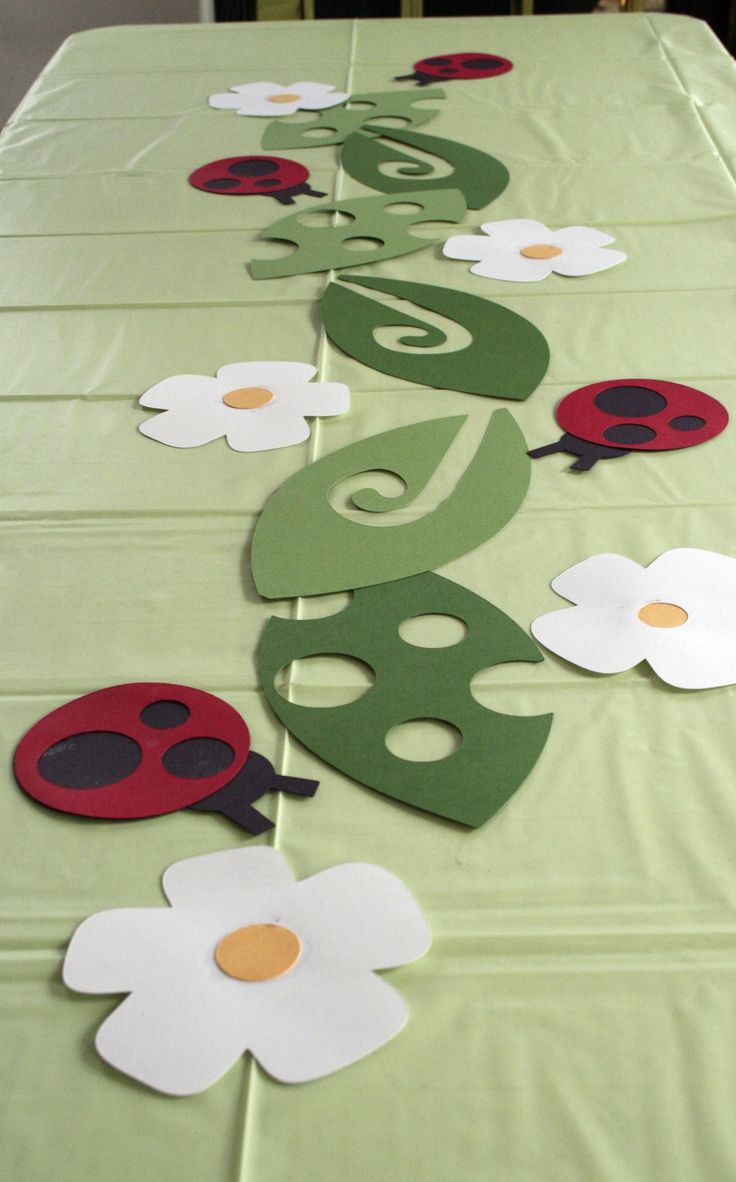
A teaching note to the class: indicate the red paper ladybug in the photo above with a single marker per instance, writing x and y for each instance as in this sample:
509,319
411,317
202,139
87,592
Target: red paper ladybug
242,176
144,749
607,419
456,65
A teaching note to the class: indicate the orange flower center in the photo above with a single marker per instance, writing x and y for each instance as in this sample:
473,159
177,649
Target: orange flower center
284,98
662,615
248,397
258,952
540,250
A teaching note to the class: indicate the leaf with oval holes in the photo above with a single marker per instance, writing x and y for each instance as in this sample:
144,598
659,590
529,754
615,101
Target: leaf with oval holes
144,749
498,750
335,124
480,177
302,546
320,248
507,357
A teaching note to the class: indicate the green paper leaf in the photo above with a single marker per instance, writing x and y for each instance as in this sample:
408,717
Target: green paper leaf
480,177
498,750
335,124
507,357
302,546
321,248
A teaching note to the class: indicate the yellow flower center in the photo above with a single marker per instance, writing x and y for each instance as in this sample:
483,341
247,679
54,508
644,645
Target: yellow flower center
248,397
662,615
258,952
284,98
540,250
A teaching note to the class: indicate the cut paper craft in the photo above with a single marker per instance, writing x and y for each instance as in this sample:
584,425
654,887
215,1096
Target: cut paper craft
478,176
255,405
289,555
264,176
524,251
246,958
507,357
498,750
377,228
677,614
456,66
334,126
144,749
607,419
268,99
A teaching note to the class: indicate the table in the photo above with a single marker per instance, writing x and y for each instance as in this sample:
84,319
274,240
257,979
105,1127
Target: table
575,1019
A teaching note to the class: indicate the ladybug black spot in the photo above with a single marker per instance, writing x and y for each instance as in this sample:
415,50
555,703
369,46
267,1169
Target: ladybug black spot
223,182
687,423
193,759
630,402
629,433
448,70
482,63
253,168
90,760
265,184
437,61
164,714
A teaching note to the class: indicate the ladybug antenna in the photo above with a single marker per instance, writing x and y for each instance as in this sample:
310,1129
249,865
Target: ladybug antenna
589,453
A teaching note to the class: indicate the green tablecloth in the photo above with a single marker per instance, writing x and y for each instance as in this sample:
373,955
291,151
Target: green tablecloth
575,1020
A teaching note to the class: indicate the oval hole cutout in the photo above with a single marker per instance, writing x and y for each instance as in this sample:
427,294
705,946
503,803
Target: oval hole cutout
325,218
318,133
329,679
402,208
424,740
433,630
363,244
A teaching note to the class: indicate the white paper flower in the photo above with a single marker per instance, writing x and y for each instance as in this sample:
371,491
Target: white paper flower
678,613
271,100
247,958
256,405
526,251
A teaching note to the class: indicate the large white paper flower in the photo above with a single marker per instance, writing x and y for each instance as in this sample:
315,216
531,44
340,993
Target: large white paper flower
271,99
247,958
525,251
256,405
678,613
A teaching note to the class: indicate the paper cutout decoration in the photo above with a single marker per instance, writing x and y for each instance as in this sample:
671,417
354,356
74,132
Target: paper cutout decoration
256,405
524,251
289,556
479,177
144,749
498,750
268,99
607,419
507,357
377,228
246,958
456,66
334,126
677,614
265,176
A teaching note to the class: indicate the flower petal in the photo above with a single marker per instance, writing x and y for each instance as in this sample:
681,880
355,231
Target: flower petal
265,109
213,880
572,237
178,1041
514,268
693,656
603,580
328,1023
465,246
271,374
361,916
516,232
708,578
317,398
267,428
179,428
116,951
582,261
319,100
599,640
225,101
193,388
259,89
